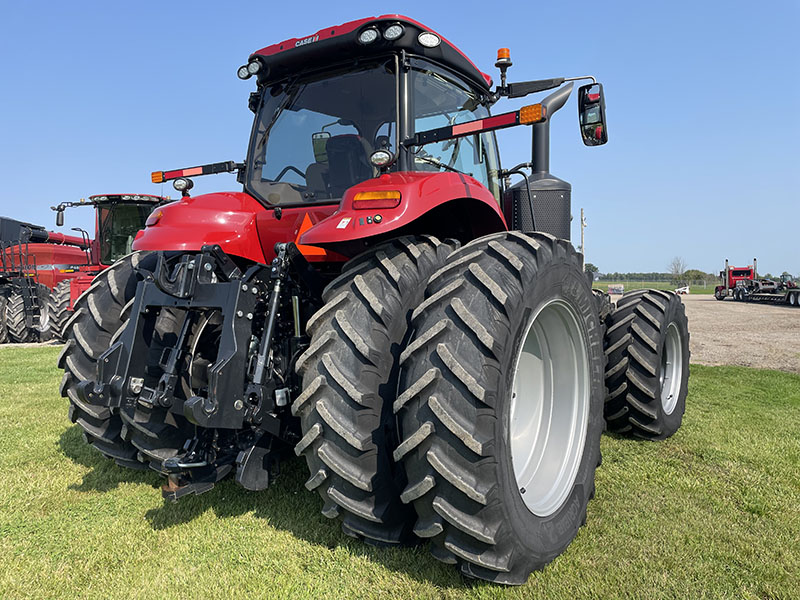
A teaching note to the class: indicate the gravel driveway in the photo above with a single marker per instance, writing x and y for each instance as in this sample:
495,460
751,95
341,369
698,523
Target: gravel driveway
740,333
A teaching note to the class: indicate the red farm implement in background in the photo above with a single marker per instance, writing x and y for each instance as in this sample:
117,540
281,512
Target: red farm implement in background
379,299
44,272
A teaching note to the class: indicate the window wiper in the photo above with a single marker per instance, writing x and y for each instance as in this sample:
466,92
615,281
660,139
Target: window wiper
438,163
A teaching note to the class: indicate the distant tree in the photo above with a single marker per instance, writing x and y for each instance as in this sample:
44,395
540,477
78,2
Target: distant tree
591,268
677,268
768,276
695,275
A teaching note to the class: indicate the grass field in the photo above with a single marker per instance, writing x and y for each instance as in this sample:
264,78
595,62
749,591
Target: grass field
713,512
658,285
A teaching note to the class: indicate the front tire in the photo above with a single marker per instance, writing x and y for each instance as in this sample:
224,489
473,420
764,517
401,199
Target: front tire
647,343
507,342
350,381
18,331
58,308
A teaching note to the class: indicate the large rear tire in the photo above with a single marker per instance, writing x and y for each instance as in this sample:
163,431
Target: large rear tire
647,343
504,373
58,308
18,331
350,381
99,318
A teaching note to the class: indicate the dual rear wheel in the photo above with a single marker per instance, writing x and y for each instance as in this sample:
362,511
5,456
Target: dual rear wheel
491,431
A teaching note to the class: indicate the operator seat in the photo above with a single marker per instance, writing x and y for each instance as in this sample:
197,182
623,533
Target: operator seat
348,160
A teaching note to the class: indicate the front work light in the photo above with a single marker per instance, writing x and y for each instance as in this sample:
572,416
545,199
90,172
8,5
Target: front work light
182,184
429,39
393,32
243,72
368,36
253,67
381,158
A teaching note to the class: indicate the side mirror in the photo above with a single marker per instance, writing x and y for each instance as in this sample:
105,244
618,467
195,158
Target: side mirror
319,142
592,114
59,218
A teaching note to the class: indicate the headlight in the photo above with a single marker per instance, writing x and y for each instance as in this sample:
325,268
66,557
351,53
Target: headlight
429,39
368,36
243,72
253,67
393,32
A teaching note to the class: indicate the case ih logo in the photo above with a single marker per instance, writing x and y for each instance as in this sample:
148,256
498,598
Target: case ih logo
309,40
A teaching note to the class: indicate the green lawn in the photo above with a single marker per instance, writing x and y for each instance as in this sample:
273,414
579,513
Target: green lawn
712,512
658,285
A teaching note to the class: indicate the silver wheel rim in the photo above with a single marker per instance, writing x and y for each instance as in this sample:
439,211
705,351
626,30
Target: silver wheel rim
549,408
671,369
44,318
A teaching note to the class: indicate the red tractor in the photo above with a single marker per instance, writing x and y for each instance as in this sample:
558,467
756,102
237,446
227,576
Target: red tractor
378,299
43,272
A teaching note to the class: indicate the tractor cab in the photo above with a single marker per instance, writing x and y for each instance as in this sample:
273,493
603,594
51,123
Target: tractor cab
341,114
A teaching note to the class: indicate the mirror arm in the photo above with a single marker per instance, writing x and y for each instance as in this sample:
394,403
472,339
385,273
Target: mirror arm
523,88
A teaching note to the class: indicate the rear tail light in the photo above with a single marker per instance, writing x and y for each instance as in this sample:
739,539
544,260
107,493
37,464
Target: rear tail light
376,200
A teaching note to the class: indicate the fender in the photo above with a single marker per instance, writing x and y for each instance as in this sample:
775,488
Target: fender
235,221
421,194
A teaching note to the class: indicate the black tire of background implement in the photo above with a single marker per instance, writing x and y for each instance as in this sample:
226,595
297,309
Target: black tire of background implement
18,331
634,341
350,381
44,329
4,339
455,384
155,431
58,305
99,318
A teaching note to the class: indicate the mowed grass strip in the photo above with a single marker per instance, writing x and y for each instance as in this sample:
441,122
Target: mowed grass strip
712,512
657,285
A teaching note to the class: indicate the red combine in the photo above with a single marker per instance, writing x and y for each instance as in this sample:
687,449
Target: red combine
44,272
744,285
381,301
32,261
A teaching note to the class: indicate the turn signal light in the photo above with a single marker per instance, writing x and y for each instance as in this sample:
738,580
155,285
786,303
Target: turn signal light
157,176
376,200
531,114
154,218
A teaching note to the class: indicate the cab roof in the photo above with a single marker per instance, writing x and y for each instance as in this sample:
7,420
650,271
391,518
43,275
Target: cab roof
341,42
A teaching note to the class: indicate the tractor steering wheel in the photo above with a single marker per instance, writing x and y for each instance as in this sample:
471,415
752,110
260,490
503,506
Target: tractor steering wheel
290,168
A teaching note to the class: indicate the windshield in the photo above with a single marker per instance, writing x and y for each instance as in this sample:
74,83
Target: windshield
312,138
119,224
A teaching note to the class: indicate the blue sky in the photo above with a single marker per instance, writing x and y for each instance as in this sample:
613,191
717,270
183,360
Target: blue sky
701,101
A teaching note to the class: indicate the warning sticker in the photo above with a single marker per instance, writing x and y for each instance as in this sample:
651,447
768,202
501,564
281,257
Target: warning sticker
343,223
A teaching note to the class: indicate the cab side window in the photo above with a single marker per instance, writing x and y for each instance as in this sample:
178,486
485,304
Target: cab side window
441,99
